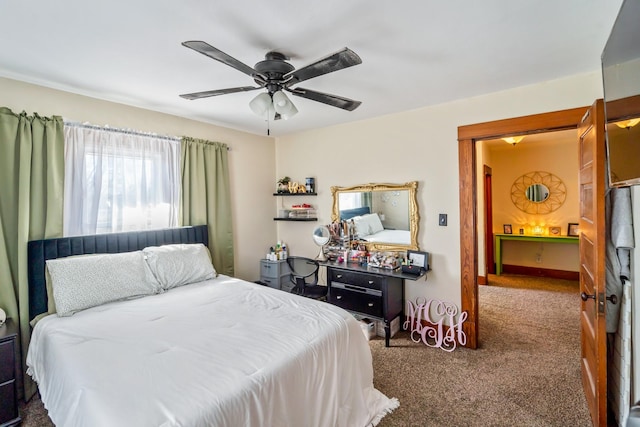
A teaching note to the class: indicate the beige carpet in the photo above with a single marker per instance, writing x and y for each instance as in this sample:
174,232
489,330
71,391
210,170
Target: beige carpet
525,373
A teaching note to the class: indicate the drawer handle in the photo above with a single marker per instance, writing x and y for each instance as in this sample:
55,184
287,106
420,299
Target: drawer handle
371,282
339,276
339,297
370,304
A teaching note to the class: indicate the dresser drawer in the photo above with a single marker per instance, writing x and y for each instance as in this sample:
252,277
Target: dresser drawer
357,279
7,361
365,303
8,404
273,269
268,269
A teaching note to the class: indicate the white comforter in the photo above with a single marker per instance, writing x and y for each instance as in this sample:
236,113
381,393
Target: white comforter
223,352
398,237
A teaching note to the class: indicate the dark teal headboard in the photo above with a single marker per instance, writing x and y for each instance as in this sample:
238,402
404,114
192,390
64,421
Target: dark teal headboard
39,251
350,213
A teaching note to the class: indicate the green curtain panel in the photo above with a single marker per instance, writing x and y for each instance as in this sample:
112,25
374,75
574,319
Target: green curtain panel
31,198
206,196
367,200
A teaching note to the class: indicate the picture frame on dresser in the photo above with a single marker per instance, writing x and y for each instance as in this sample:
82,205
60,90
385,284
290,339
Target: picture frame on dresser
554,231
573,229
418,259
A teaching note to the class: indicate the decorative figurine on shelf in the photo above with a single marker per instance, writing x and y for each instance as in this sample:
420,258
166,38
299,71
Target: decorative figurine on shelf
283,184
295,187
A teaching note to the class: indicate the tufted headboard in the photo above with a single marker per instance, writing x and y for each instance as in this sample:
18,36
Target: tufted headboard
350,213
39,251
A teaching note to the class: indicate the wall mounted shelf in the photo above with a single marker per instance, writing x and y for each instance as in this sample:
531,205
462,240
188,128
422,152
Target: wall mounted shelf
295,219
295,194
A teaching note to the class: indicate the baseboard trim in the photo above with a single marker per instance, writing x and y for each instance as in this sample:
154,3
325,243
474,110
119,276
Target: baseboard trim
482,280
540,272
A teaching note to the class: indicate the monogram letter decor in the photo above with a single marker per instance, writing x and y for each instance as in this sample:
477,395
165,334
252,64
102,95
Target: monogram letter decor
434,335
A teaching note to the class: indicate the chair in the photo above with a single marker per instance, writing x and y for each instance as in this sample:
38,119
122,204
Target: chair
304,275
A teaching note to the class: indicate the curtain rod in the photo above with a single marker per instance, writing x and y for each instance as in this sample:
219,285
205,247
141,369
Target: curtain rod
125,131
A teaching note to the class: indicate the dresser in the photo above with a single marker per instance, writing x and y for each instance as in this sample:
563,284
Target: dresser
374,292
9,415
276,274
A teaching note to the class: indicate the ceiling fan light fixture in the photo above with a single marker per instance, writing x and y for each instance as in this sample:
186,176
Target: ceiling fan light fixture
513,140
628,124
260,104
283,105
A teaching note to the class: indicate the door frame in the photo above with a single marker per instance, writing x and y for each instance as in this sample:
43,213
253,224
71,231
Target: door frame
467,137
489,263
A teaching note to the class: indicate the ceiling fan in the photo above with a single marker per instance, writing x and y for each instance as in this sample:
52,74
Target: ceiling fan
276,75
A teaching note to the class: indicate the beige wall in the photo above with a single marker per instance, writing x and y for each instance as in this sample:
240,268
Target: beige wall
251,159
559,157
415,145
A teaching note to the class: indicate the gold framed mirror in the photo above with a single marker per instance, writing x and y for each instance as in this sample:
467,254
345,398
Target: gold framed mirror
385,215
538,192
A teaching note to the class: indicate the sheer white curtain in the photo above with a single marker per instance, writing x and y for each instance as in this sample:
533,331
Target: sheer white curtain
118,180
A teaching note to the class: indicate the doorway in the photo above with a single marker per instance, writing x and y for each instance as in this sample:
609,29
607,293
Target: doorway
467,137
552,159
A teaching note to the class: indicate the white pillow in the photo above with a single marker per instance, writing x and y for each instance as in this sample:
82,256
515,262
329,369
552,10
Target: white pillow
374,223
368,224
79,283
177,265
362,226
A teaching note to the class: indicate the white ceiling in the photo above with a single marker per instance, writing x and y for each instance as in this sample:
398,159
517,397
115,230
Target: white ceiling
415,53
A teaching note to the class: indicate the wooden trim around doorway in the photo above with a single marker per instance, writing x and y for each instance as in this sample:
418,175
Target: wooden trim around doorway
467,137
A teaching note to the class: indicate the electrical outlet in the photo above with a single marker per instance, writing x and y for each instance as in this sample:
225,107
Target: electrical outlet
539,258
442,220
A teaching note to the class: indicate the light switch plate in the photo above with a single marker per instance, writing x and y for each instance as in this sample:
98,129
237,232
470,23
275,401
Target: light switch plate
442,220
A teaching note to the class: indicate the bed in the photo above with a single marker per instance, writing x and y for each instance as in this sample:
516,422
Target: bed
215,352
370,229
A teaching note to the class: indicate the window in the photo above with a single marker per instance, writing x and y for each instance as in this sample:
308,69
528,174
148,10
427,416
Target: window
350,200
119,181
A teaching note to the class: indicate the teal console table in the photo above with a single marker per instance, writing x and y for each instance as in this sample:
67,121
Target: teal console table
526,238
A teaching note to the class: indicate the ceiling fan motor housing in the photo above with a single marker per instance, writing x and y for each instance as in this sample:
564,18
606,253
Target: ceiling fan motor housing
274,67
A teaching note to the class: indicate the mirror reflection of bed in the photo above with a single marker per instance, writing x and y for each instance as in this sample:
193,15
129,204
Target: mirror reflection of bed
374,226
382,214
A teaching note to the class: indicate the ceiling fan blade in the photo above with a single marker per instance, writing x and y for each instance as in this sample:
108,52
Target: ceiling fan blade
325,98
342,59
208,93
210,51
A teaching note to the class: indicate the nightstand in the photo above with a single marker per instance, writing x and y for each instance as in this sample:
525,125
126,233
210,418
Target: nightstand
9,415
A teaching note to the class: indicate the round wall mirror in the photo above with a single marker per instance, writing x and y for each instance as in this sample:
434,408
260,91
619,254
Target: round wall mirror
537,193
